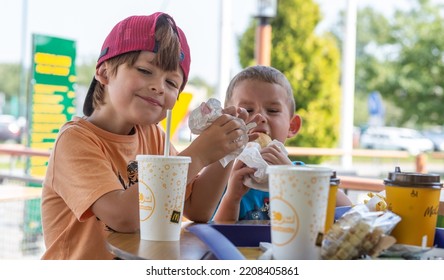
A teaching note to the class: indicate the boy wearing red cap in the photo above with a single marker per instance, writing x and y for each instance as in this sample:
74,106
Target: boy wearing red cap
90,186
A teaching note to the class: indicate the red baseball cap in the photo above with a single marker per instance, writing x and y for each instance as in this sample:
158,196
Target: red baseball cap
137,33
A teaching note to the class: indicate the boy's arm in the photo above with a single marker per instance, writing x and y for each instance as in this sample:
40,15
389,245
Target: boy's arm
207,191
229,207
224,136
228,210
217,141
125,217
342,199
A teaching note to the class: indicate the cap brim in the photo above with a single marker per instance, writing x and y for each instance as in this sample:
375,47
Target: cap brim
88,108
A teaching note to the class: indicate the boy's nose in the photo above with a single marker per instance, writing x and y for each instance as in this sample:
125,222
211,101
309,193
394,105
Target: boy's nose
157,87
259,118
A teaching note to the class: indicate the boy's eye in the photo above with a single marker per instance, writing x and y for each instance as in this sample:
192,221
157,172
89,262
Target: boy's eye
172,83
144,71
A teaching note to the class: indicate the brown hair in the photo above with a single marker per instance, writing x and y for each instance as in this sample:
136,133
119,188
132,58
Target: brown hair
266,74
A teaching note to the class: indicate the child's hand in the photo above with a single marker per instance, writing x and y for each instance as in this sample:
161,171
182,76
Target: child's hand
274,156
236,188
242,114
225,135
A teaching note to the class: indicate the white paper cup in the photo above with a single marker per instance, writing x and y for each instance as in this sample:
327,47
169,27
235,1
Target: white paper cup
298,203
162,183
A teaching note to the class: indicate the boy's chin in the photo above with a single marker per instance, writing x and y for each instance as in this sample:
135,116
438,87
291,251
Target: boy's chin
143,121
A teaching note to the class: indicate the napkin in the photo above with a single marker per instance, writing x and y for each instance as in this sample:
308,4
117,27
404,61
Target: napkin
204,115
252,157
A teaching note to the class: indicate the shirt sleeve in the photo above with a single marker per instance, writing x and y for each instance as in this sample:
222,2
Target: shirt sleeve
82,171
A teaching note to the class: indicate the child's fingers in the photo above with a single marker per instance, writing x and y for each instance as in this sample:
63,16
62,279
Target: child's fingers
252,137
256,119
245,171
223,120
275,158
242,114
238,164
230,110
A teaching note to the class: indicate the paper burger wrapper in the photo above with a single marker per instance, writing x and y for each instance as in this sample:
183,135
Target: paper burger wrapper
204,115
252,157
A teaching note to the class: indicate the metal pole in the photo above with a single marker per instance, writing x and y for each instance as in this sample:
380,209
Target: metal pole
224,49
22,87
348,84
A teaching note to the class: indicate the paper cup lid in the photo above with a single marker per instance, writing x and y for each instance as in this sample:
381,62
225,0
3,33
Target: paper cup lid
411,179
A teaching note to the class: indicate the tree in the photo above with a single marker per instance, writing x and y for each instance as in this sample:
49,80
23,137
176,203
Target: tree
419,66
10,79
85,73
311,64
403,58
201,83
9,87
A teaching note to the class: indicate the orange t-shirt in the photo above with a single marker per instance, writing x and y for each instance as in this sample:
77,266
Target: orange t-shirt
86,163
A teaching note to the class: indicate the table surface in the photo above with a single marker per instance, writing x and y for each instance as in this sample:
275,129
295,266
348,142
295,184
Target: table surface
129,246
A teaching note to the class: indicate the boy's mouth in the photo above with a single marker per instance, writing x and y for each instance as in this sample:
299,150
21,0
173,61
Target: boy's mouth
259,131
151,100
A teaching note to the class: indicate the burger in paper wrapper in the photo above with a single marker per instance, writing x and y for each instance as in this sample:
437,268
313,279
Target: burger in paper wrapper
203,116
252,157
263,140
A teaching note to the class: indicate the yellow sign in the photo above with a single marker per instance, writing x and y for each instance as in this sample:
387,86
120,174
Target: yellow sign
179,111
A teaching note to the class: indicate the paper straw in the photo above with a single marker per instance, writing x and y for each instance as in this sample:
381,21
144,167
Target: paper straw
424,242
167,136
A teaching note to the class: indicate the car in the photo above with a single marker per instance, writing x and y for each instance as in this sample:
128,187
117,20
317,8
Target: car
437,138
396,138
10,129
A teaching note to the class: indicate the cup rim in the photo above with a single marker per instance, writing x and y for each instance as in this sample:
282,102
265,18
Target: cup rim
184,159
306,168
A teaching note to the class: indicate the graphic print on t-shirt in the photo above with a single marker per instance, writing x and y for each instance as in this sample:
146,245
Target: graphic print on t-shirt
132,175
259,212
132,170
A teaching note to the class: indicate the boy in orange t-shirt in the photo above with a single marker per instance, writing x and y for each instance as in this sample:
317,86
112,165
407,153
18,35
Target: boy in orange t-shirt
91,184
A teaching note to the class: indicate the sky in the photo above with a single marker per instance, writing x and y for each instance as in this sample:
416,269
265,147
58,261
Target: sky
88,22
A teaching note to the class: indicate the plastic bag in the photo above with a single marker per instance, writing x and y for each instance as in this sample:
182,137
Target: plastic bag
359,233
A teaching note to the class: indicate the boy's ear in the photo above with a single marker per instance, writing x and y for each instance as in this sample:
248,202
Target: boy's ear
101,74
295,125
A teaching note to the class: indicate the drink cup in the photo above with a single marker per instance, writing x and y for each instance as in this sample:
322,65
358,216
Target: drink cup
298,204
162,183
331,206
415,198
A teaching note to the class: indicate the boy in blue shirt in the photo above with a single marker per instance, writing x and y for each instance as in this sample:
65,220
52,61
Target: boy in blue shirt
267,96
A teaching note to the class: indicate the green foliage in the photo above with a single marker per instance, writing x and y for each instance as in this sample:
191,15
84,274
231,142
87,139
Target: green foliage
247,44
10,79
85,73
311,64
402,58
199,82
